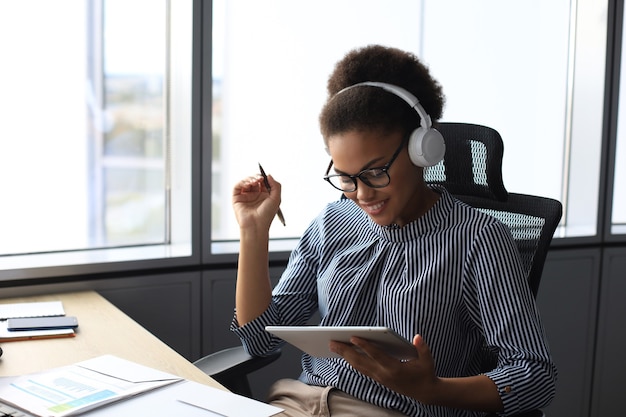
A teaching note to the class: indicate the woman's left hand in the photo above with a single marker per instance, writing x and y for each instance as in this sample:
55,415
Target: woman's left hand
415,378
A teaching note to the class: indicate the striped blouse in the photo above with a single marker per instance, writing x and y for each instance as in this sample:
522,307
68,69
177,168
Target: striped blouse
453,276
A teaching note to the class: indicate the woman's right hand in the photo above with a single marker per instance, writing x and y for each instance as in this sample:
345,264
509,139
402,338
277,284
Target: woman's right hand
255,206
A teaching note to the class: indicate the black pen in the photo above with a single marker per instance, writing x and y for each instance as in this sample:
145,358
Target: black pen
267,185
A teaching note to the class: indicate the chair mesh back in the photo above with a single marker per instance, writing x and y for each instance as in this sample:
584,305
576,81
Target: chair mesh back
526,231
473,161
472,171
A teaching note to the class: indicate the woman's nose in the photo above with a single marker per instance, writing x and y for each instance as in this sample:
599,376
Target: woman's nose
363,191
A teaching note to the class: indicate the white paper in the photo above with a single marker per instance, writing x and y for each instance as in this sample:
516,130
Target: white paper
125,370
164,402
73,389
225,403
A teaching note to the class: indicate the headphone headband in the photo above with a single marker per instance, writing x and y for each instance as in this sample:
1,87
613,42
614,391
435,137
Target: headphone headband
404,94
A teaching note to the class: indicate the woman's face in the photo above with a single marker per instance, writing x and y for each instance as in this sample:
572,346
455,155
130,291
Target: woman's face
405,199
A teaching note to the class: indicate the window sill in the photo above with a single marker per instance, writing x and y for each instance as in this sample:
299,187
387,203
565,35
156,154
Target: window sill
232,247
27,266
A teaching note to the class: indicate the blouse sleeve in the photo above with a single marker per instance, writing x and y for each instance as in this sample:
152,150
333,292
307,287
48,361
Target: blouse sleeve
525,373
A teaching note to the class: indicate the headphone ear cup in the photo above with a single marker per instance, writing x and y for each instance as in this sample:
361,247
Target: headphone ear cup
426,147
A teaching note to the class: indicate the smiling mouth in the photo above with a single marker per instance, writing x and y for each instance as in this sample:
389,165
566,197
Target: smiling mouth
373,208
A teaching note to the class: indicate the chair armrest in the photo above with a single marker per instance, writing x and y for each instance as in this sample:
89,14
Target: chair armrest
230,367
233,360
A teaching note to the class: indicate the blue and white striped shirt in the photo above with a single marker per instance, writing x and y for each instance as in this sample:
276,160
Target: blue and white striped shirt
453,276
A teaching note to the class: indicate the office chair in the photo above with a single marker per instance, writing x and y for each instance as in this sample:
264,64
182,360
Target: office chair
472,172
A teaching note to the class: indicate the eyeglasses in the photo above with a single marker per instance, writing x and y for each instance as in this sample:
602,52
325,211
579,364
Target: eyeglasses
372,177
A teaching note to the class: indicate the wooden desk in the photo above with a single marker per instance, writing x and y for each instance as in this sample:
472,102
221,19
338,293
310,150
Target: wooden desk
103,329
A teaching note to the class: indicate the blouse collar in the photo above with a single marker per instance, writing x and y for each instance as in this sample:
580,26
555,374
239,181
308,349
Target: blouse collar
429,221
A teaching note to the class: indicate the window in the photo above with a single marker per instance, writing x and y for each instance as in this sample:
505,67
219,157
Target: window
94,152
99,106
533,70
271,61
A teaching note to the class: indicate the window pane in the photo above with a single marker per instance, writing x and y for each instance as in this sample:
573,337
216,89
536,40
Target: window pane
89,120
43,148
618,217
133,160
542,89
534,71
491,77
271,61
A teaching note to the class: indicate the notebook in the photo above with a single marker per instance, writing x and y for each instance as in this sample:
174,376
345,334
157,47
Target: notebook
7,335
36,309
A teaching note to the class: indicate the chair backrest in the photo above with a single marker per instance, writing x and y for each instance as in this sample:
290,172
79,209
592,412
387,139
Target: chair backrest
472,171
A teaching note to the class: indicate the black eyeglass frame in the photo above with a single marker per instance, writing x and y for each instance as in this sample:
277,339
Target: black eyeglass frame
382,170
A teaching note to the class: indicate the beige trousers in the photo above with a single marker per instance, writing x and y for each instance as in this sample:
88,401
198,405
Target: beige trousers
302,400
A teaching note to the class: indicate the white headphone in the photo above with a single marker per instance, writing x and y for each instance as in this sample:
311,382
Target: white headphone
426,145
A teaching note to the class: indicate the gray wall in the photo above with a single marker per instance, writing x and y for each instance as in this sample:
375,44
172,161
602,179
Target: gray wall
580,298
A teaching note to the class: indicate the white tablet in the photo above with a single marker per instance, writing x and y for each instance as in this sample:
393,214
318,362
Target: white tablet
315,340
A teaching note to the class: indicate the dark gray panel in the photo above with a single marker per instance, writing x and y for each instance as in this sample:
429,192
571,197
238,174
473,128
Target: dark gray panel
167,305
217,310
567,300
609,387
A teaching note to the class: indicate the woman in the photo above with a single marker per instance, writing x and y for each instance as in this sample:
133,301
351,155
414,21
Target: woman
396,253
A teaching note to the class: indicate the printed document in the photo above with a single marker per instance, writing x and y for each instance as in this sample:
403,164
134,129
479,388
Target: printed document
74,389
